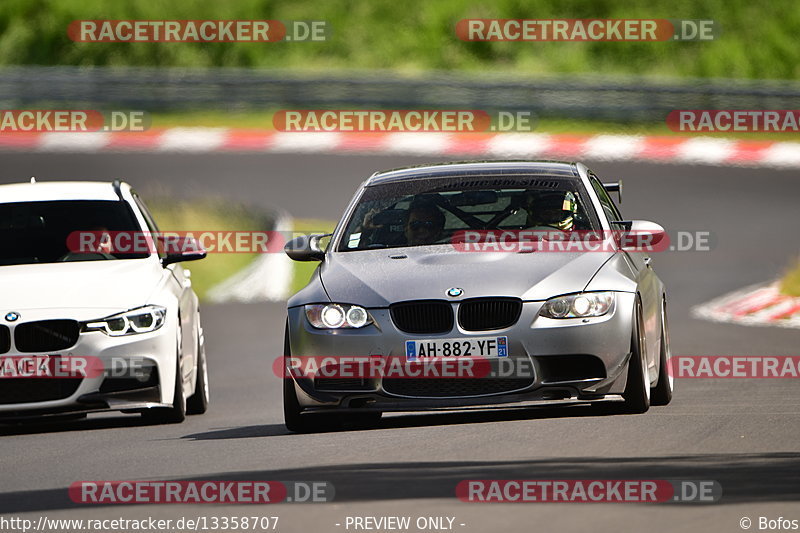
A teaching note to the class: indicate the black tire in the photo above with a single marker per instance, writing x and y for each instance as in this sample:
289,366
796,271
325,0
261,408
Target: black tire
291,407
169,415
293,416
197,403
637,387
661,394
297,422
292,412
637,394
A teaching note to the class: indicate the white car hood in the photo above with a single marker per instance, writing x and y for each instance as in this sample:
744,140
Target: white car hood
115,285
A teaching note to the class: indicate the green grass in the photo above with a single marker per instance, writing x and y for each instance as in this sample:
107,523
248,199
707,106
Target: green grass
207,215
258,120
758,40
303,270
263,120
215,215
790,284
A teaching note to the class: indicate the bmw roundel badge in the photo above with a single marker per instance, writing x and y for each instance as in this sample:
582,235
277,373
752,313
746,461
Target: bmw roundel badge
12,316
455,292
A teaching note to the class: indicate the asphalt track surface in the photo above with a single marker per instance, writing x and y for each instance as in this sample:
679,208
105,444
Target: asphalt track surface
742,433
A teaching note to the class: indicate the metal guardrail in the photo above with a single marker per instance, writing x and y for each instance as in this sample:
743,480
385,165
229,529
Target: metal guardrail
155,89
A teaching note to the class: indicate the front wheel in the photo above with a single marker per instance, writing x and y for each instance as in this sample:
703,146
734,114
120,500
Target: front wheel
197,404
661,394
297,422
637,387
170,415
292,411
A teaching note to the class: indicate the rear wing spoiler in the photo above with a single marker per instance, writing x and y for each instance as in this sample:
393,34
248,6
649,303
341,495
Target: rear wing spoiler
614,186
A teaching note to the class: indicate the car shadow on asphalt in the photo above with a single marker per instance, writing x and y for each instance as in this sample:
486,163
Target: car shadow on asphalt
31,427
744,477
477,416
242,432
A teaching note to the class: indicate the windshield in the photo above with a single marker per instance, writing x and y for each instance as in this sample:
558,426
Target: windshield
36,232
434,211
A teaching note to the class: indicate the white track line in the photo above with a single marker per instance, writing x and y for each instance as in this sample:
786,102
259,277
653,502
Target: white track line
267,278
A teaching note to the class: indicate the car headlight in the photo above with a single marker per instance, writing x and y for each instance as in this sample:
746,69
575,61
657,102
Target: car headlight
141,320
580,305
337,316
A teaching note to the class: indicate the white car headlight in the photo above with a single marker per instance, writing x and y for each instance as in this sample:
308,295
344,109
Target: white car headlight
580,305
337,316
141,320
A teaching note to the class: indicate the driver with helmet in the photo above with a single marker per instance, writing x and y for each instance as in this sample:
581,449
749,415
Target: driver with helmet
551,210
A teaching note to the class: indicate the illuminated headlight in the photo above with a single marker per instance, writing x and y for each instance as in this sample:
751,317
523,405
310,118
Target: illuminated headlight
141,320
581,305
336,316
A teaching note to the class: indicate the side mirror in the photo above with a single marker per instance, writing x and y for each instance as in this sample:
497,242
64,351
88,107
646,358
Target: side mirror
305,248
640,235
180,248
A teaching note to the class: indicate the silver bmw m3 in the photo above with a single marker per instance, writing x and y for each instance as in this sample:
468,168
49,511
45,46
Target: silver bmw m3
477,285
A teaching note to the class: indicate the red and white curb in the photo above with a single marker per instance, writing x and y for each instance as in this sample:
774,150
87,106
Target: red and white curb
666,149
757,305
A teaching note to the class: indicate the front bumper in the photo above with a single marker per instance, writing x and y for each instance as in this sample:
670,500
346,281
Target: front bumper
137,372
566,360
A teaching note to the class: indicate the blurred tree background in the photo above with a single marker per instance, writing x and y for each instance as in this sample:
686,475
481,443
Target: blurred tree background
758,40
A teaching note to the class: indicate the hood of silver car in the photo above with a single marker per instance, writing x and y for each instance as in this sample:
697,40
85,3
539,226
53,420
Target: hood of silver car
377,278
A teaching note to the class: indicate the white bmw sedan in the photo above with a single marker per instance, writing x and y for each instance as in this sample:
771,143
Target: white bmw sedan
98,330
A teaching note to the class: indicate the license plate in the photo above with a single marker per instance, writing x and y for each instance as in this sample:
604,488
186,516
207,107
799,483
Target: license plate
29,366
471,347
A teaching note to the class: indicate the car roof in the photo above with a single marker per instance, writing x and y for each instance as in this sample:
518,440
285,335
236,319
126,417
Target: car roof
57,190
476,169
